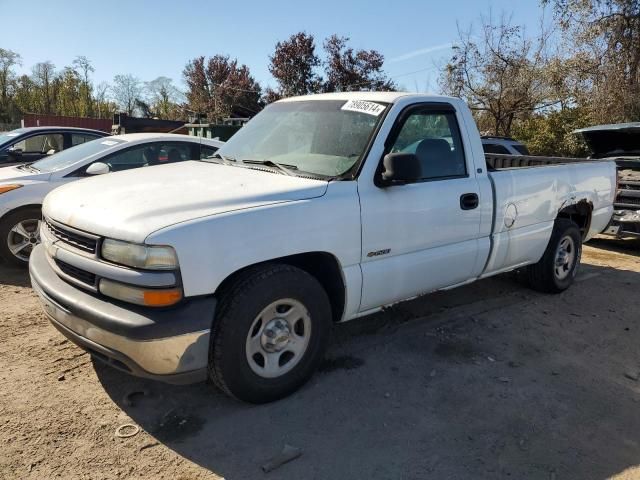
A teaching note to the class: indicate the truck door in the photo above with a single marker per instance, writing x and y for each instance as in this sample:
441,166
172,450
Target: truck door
422,236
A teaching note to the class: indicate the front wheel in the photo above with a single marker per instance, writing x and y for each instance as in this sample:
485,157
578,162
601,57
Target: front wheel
270,333
557,268
19,234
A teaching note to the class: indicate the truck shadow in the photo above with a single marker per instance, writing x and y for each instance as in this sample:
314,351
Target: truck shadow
485,381
630,246
12,276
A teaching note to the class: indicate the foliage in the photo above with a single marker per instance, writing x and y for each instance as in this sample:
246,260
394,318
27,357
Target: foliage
551,134
295,65
347,70
220,88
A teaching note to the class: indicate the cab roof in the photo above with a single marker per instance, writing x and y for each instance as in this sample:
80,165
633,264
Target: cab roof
385,97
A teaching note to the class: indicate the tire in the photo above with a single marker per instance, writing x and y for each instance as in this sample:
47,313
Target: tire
27,237
271,330
565,245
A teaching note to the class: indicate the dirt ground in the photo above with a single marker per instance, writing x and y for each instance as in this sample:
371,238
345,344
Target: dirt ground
487,381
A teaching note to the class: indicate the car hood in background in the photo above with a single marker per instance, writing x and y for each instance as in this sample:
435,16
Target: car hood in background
131,205
15,174
611,140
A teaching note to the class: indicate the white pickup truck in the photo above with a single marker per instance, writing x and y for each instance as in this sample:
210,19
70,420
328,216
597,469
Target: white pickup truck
321,209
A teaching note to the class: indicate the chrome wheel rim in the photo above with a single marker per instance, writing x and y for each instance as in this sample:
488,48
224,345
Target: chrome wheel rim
278,338
23,237
565,258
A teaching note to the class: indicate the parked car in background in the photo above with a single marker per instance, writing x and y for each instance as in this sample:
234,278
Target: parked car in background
321,209
620,142
23,187
25,145
503,145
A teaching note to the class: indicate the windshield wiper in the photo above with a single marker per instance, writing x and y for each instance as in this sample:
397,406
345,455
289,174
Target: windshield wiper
283,167
225,160
28,166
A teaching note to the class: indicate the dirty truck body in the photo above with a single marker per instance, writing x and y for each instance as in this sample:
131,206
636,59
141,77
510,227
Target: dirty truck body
321,209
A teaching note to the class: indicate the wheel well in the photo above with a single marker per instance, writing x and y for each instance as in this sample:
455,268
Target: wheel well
580,214
20,208
323,266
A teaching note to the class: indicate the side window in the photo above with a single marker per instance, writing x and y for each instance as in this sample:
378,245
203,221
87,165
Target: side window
207,151
170,152
435,139
494,148
148,155
41,144
79,138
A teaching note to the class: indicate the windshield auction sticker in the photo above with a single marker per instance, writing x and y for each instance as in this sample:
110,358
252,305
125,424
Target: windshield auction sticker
363,106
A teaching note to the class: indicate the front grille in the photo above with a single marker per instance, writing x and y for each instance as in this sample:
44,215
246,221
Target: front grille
627,201
83,276
73,238
629,186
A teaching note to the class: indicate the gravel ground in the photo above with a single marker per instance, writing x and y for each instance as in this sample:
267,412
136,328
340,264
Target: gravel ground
487,381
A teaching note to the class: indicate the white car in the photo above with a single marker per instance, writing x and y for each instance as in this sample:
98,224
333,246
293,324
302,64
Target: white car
23,187
316,211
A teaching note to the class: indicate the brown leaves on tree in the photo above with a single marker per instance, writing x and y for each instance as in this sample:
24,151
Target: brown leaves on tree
220,88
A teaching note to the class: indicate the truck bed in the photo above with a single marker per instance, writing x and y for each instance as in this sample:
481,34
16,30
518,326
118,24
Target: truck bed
499,161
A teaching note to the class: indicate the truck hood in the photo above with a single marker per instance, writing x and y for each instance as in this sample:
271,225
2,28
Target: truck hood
622,139
131,205
16,175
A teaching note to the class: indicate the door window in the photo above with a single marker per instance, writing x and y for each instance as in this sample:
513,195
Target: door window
148,155
79,138
41,144
435,139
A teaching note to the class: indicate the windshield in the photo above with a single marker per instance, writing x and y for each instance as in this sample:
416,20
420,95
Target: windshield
322,137
8,137
73,155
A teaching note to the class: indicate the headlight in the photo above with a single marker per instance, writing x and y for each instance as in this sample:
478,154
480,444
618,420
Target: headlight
8,188
140,296
139,256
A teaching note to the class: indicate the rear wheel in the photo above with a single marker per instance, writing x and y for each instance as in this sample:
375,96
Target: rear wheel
270,333
557,268
19,234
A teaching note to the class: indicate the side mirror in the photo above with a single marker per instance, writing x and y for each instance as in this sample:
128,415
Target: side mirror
401,168
14,153
97,168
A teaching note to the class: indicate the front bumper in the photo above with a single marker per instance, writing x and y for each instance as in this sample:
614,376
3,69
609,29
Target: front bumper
624,224
170,345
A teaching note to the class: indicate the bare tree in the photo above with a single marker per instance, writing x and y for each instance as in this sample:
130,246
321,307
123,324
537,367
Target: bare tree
43,75
83,65
8,60
163,97
500,73
605,36
125,90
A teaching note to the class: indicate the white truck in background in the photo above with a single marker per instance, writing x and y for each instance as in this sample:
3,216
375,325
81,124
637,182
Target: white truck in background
321,209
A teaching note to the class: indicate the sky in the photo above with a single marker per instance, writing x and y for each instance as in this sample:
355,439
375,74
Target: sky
156,38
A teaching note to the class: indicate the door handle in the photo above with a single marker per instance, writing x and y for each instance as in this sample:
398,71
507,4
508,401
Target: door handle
469,201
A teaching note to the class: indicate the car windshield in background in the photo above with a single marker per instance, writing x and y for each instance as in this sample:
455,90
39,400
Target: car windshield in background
73,155
321,137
